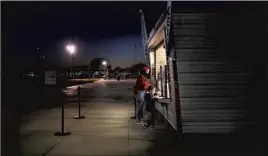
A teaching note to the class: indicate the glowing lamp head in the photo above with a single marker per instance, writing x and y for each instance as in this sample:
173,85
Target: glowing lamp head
71,48
104,63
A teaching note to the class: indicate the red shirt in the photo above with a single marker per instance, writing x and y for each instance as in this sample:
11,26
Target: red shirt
141,84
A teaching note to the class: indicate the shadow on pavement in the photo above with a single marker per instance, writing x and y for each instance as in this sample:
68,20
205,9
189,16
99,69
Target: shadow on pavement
170,144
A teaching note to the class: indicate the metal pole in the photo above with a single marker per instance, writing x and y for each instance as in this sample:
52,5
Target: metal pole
88,73
166,80
72,66
79,106
62,118
134,54
63,132
161,80
99,73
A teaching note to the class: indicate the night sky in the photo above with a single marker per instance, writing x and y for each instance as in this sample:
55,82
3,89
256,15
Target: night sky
99,29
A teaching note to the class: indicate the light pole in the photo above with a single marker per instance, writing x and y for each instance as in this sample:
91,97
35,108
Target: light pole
71,48
104,63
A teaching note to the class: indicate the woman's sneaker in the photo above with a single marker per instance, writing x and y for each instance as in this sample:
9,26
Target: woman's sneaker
145,124
152,127
138,121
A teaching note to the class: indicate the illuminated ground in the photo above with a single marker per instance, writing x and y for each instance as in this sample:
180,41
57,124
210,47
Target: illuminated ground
108,129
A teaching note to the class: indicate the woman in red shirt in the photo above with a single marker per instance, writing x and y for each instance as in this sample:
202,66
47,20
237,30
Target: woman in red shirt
139,91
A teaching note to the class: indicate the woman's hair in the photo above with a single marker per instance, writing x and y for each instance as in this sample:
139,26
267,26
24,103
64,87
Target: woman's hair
150,87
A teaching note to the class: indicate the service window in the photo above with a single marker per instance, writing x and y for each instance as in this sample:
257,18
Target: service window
161,72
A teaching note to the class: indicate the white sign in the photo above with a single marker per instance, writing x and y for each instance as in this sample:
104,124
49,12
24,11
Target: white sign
50,77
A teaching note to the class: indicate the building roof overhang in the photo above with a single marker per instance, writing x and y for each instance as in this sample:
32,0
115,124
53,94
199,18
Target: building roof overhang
157,33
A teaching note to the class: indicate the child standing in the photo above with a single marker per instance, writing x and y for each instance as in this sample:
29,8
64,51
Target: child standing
149,104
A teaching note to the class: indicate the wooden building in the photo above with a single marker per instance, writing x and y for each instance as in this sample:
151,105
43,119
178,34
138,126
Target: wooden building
208,66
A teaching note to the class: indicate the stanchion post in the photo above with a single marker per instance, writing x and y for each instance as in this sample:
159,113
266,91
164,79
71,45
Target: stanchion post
79,103
79,106
63,132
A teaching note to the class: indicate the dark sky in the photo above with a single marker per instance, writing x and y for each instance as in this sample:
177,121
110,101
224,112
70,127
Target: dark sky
100,29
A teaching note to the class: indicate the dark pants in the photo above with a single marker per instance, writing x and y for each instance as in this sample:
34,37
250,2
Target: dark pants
138,102
152,122
135,105
140,113
152,112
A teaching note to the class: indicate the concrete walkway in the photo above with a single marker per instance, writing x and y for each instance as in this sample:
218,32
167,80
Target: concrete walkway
106,130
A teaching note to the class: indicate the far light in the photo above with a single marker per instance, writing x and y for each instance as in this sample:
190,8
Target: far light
104,63
71,48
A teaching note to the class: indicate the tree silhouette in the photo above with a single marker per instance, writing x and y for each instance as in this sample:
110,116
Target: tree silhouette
117,69
109,68
128,69
136,67
95,63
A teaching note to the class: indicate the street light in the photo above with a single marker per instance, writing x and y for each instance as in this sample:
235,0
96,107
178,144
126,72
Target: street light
104,64
71,48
